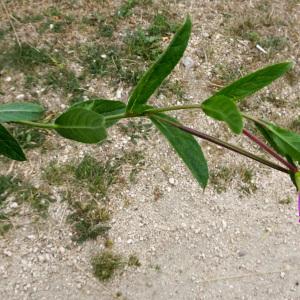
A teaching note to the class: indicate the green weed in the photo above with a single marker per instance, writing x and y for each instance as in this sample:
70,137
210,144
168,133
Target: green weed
99,59
29,138
54,173
246,176
220,179
25,193
161,26
286,201
140,44
24,57
245,28
56,26
171,89
228,72
133,261
5,226
96,176
31,81
106,264
93,19
126,8
295,125
7,185
3,33
52,11
37,199
89,220
63,79
5,223
32,18
274,43
145,43
106,30
136,130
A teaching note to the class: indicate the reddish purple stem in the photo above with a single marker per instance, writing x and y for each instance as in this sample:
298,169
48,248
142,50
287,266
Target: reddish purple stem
299,206
269,150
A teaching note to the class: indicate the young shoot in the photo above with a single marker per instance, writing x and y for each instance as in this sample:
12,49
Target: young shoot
87,121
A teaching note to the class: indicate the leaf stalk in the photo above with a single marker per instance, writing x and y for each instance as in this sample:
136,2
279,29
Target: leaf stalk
226,145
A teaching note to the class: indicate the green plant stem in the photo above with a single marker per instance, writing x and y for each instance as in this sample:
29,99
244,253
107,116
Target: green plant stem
253,119
120,116
39,125
172,108
226,145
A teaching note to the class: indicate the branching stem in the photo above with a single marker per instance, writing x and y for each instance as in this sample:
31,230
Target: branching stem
269,150
226,145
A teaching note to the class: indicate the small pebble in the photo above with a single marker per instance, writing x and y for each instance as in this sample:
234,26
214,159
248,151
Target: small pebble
188,62
20,97
7,253
172,181
14,205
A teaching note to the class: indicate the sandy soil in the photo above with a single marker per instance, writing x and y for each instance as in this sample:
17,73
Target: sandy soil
192,244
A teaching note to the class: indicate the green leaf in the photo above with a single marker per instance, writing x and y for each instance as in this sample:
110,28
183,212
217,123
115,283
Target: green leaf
186,147
253,82
81,125
224,109
285,142
103,107
9,147
13,112
153,78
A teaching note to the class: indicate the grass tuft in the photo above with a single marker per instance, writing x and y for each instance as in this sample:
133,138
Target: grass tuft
106,264
133,261
89,220
24,57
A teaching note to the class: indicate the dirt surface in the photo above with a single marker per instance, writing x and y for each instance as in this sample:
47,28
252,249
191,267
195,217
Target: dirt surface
238,239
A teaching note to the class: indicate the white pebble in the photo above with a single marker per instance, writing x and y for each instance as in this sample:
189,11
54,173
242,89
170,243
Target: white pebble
20,97
7,253
14,205
172,181
188,62
224,224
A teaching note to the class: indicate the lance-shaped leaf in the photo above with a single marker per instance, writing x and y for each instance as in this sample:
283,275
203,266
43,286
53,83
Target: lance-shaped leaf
224,109
285,142
13,112
81,125
186,147
253,82
153,78
104,107
9,147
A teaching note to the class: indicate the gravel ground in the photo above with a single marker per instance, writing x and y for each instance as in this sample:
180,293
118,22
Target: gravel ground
239,242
